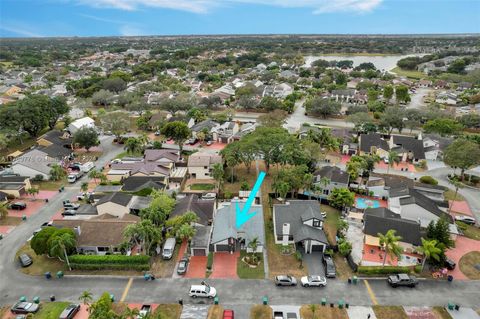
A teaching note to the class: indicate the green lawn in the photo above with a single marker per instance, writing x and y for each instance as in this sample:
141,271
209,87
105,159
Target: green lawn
409,74
202,187
441,313
450,195
245,272
51,310
389,312
168,311
469,231
261,312
50,185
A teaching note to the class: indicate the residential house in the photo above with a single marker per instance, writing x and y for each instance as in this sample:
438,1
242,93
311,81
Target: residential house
333,177
206,125
99,235
279,91
116,204
137,183
55,137
299,222
424,83
200,165
226,237
80,123
34,163
379,185
205,210
343,95
449,98
224,93
380,221
14,185
373,143
408,148
225,132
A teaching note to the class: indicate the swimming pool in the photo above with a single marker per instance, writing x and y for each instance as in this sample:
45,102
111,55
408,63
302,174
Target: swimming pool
362,203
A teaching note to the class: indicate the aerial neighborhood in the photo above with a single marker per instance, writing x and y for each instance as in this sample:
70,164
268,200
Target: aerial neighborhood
136,157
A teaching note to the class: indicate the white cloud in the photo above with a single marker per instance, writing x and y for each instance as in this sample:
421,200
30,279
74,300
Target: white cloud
203,6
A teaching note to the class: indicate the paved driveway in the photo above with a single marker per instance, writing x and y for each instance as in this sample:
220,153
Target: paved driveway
225,265
464,313
463,245
314,263
197,267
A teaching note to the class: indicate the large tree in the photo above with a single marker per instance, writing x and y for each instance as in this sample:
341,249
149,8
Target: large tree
117,122
341,198
178,131
430,250
322,106
389,242
86,137
463,154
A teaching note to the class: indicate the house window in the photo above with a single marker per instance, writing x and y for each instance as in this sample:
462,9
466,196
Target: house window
316,223
325,192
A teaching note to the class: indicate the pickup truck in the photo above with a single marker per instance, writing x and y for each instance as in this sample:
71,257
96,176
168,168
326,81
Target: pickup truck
73,177
402,280
144,311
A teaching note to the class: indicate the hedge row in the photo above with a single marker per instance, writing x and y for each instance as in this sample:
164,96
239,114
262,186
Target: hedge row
379,270
110,259
139,267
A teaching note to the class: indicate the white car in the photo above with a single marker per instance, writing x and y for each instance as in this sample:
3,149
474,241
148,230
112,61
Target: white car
465,219
203,291
116,161
209,196
313,281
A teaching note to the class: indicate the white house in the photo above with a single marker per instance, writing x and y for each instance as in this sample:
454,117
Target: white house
80,123
200,165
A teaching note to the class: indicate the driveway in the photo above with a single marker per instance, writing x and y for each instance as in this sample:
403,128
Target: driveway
463,245
314,263
197,267
225,265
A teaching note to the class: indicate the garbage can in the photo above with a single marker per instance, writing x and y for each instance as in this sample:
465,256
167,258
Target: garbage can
355,280
324,301
349,280
347,305
59,274
48,275
112,297
146,277
24,217
36,300
22,299
1,236
265,300
52,298
457,307
340,304
450,278
450,306
215,300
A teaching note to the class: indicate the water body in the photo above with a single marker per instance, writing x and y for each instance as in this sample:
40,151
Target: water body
381,62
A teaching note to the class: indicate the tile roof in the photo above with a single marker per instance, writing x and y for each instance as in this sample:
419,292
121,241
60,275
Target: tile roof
366,141
333,173
203,208
119,198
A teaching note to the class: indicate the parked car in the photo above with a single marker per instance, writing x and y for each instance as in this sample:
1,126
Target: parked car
25,260
203,291
83,195
449,264
330,271
465,219
210,143
402,280
285,280
313,281
168,248
209,196
116,161
47,224
75,166
70,311
182,266
69,212
18,206
144,311
71,206
228,314
157,133
24,307
192,141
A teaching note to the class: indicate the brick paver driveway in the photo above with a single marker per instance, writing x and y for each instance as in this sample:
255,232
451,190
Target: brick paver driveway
463,245
197,267
225,265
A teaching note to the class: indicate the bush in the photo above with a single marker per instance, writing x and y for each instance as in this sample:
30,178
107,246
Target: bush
418,269
379,270
140,267
37,178
210,260
110,259
428,180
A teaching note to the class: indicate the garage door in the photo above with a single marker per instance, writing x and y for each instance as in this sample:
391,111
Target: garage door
317,248
222,247
199,252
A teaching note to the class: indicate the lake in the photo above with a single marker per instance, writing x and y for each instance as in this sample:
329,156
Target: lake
381,62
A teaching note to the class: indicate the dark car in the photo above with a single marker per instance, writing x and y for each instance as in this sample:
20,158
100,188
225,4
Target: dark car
24,307
402,280
25,260
18,206
69,212
330,271
449,264
182,266
70,311
285,280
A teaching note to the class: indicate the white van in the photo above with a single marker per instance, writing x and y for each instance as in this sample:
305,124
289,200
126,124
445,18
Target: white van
168,248
87,167
203,291
73,177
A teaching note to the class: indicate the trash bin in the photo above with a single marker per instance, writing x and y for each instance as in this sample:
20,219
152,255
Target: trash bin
48,275
324,301
349,280
450,278
215,300
1,236
340,304
112,297
22,299
146,277
59,274
332,305
52,298
24,217
457,307
347,305
355,280
36,300
265,300
180,302
450,306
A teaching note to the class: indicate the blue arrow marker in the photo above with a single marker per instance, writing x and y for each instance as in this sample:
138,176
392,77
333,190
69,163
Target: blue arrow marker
243,215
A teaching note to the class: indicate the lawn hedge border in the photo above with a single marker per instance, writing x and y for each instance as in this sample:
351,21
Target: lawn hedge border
379,270
139,267
109,259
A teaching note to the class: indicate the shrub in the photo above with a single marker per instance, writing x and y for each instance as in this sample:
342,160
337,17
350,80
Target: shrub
110,259
428,180
139,267
379,270
37,178
210,260
10,196
418,269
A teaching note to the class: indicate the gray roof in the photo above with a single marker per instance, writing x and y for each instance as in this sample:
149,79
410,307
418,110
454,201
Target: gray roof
36,160
118,198
412,196
333,173
209,124
380,220
224,224
295,212
140,202
410,144
366,141
137,183
202,208
108,188
202,237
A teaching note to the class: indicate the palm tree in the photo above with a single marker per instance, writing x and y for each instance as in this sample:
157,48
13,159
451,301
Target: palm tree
3,210
57,172
457,185
94,174
130,313
145,234
282,188
392,159
133,145
86,297
60,244
143,139
307,182
186,231
84,187
33,191
429,249
389,242
218,173
320,185
253,245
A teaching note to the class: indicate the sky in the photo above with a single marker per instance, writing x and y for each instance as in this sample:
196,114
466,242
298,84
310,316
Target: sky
46,18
